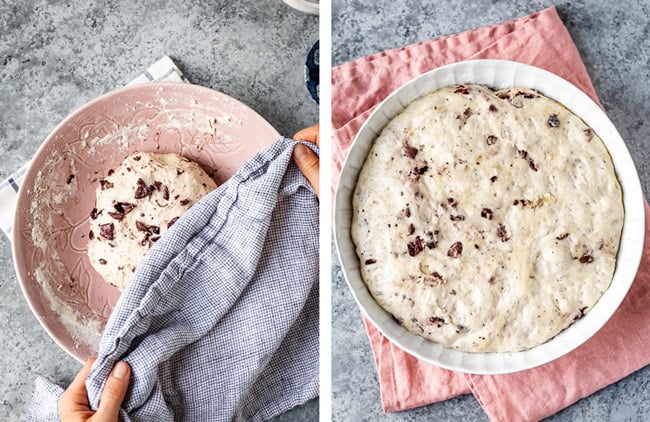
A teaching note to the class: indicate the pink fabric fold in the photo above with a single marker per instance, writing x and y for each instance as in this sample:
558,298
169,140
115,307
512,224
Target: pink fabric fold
542,40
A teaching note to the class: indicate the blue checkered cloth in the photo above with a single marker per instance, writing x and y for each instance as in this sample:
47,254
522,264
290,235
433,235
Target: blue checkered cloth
220,321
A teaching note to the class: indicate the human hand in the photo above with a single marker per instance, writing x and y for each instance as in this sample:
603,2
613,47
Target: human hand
305,159
74,406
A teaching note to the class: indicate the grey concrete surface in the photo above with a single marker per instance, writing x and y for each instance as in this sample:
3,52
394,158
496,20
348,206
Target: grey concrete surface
57,55
612,38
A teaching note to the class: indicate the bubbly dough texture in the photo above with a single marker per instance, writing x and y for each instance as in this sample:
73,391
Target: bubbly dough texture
136,203
487,221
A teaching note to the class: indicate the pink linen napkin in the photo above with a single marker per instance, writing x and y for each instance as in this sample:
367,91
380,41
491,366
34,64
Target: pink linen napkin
619,349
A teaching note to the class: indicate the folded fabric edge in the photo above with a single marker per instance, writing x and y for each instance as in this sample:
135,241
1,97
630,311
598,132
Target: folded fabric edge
387,377
44,401
363,60
307,392
163,69
8,198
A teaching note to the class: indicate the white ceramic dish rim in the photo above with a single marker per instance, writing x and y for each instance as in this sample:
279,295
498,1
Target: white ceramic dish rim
496,74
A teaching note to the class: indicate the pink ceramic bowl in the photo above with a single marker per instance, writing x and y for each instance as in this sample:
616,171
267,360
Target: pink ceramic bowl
70,299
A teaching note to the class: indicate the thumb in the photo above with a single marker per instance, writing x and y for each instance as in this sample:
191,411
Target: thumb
114,392
310,134
308,163
74,400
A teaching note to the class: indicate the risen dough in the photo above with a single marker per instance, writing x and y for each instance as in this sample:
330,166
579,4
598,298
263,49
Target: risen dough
136,203
487,221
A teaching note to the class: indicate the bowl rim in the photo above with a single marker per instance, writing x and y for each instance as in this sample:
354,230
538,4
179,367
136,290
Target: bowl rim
29,174
477,71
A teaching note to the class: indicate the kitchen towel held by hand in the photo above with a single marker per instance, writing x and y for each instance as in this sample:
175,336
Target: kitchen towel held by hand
220,321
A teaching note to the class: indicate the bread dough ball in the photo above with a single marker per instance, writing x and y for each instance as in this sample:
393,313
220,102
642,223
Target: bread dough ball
135,204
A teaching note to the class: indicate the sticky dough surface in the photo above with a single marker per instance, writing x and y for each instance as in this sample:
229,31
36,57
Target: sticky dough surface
487,221
136,203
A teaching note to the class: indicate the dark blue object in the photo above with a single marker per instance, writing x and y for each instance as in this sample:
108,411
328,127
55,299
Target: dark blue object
311,71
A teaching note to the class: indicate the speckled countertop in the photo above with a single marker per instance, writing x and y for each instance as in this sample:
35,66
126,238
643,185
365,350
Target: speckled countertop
56,56
613,39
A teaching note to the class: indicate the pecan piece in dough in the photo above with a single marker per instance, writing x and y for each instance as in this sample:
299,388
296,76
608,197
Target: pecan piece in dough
141,190
409,151
106,231
553,121
455,250
437,321
462,89
415,247
486,213
502,233
586,259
